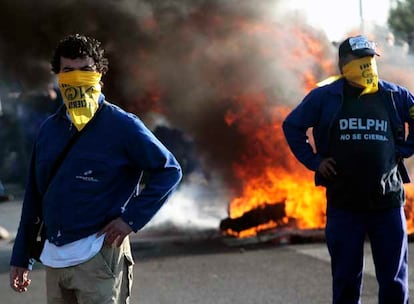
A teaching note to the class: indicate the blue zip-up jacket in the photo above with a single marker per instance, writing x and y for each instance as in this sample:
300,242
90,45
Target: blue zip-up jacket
319,109
96,179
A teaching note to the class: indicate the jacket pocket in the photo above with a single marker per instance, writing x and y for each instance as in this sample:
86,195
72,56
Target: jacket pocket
89,175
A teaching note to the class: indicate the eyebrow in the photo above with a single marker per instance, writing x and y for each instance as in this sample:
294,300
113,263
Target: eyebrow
89,67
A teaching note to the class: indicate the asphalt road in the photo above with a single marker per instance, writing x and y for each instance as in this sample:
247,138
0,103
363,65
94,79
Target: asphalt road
207,268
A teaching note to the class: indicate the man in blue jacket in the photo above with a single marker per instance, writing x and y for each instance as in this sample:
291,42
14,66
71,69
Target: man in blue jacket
93,201
358,124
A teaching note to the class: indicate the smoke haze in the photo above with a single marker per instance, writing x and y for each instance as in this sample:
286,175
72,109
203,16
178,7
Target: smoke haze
216,70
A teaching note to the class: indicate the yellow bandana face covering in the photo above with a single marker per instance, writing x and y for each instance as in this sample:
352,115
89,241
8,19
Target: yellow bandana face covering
80,91
362,72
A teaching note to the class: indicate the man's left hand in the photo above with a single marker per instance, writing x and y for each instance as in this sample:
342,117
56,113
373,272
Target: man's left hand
116,231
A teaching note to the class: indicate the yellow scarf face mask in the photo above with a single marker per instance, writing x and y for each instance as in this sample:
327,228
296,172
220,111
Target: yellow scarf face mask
80,91
362,72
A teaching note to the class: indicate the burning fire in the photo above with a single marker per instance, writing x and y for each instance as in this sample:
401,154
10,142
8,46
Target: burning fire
409,212
270,181
270,172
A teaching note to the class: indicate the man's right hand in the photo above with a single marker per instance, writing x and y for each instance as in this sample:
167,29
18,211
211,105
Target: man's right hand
327,168
19,278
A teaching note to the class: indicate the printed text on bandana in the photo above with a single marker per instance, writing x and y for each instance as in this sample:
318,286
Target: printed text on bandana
365,129
76,96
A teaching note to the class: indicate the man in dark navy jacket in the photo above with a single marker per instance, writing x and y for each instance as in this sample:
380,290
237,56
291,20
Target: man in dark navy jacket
358,126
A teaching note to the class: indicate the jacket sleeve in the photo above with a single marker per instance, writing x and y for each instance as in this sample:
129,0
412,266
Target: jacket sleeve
295,127
30,210
406,113
162,171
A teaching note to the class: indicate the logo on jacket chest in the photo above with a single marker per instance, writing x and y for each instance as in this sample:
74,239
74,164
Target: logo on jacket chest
87,176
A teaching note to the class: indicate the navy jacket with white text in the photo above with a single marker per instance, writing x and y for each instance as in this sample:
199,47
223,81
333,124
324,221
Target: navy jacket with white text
319,109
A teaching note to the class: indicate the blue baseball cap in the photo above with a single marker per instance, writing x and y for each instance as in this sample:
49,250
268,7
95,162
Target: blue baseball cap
359,46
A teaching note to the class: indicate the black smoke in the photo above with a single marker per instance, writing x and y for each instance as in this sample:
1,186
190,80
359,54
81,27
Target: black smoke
189,60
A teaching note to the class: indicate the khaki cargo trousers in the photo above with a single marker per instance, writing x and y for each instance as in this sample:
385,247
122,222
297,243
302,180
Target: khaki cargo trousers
104,279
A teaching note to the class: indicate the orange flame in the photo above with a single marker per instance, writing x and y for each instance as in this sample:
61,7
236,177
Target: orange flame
269,171
267,181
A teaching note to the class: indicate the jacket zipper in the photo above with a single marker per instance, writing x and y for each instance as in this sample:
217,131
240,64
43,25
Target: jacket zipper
134,193
39,232
333,119
399,130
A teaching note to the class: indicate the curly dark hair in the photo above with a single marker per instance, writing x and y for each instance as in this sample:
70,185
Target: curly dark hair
80,46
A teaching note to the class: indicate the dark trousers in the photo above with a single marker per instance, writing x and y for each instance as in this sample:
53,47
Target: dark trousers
345,236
